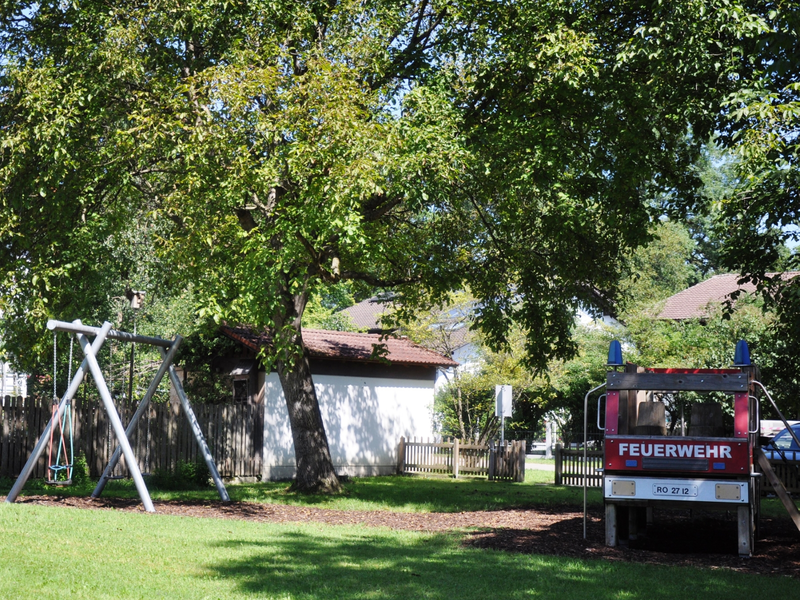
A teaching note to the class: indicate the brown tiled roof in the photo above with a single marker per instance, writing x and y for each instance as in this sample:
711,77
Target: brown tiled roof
344,345
694,302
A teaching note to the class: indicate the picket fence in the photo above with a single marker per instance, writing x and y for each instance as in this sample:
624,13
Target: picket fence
787,471
234,433
570,468
455,457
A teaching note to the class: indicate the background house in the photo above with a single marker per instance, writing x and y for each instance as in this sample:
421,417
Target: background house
449,334
11,382
368,398
698,301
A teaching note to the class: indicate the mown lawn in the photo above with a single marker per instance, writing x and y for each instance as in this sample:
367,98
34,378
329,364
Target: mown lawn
66,553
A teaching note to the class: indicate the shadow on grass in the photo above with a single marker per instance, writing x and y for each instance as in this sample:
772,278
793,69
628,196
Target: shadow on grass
305,564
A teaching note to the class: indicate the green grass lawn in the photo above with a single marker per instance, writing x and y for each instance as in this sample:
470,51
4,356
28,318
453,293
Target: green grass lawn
58,552
67,553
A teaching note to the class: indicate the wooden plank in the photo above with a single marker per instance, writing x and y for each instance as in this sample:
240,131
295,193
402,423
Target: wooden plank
456,458
703,382
5,433
611,525
238,441
777,485
745,531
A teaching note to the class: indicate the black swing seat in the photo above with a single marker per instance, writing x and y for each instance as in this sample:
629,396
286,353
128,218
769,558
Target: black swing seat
56,470
60,482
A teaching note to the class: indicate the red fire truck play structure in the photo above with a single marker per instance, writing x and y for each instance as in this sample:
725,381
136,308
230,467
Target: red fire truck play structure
711,465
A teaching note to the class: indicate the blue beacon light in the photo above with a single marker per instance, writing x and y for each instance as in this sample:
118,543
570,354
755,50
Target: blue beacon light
615,354
741,357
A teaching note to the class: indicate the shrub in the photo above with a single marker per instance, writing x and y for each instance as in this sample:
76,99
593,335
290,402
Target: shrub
185,476
80,469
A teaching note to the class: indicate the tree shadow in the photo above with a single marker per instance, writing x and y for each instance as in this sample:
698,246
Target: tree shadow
302,563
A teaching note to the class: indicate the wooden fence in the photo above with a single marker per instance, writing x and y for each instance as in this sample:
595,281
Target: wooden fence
571,469
163,437
454,457
787,471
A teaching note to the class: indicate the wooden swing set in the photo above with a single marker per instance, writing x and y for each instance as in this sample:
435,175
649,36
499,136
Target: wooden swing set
58,432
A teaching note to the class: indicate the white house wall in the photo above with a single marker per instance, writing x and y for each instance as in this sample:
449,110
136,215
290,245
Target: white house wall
12,383
364,418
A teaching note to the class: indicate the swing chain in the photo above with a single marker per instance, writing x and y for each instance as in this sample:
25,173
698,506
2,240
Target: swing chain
55,366
69,365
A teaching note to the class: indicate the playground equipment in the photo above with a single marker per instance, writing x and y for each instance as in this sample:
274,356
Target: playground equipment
59,469
710,466
167,349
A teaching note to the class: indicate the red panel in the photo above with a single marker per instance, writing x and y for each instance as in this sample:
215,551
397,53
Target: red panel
741,421
698,371
677,454
612,413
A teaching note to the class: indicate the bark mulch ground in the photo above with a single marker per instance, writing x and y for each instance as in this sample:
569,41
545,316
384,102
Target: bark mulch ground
705,540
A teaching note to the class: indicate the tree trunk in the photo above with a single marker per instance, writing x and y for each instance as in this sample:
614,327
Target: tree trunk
315,472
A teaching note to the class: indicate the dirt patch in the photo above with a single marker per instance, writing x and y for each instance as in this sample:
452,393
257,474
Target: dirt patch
704,539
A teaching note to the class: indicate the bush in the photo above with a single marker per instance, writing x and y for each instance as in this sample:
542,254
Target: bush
80,469
185,476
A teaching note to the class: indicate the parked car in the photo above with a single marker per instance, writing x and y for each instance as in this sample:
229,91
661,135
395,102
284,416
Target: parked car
783,446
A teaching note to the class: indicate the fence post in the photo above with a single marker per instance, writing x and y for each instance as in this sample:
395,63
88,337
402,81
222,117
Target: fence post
401,456
559,466
5,433
492,460
455,458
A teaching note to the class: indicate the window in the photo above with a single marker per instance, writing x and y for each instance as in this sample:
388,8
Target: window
240,390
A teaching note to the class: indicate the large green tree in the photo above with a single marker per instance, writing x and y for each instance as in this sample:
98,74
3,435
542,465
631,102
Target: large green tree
282,146
759,215
581,116
282,143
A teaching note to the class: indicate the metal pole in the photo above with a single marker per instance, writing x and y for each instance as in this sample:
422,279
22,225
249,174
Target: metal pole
198,433
112,334
113,416
780,414
133,356
143,405
43,439
585,443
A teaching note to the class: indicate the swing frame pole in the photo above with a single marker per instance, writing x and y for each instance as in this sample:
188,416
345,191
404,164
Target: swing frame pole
116,422
113,334
38,450
198,432
143,405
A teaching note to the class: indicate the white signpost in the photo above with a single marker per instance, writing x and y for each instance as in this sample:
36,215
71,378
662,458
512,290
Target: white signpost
502,406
